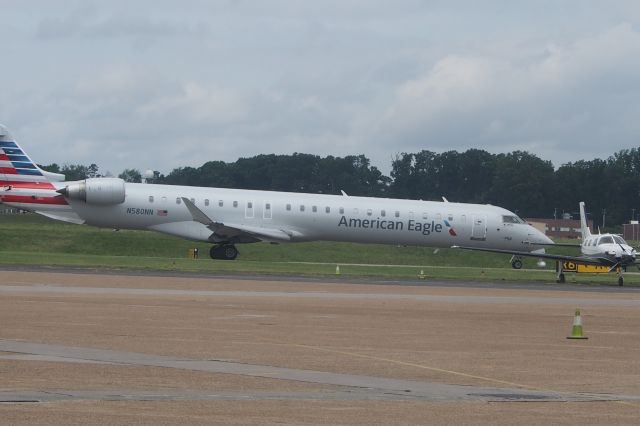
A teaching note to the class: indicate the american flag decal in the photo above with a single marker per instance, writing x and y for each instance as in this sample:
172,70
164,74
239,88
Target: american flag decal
162,212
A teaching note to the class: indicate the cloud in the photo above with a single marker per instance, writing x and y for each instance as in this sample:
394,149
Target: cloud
561,95
88,22
229,78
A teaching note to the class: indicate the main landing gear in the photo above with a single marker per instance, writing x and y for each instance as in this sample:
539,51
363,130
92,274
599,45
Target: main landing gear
224,252
560,272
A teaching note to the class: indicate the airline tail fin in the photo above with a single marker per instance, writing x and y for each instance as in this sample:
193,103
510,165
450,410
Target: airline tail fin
22,183
17,166
586,233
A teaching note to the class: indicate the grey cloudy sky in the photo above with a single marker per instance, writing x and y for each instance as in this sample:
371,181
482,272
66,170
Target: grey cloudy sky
162,84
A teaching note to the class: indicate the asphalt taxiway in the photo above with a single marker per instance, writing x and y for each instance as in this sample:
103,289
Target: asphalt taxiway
118,348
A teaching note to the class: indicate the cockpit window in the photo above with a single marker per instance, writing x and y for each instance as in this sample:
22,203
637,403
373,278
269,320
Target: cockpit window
618,240
511,219
605,240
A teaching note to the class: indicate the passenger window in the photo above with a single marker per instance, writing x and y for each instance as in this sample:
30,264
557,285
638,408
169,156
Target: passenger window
178,200
220,203
206,201
356,211
267,206
193,200
383,213
151,198
425,216
450,217
301,207
164,199
369,212
327,209
235,204
341,210
288,207
397,214
249,205
314,209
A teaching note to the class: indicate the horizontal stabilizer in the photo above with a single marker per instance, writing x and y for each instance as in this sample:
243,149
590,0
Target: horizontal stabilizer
64,216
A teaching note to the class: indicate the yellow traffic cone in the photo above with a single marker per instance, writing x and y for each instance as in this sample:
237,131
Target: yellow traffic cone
576,331
337,269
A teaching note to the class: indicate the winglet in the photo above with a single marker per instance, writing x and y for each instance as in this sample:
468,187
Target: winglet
586,233
197,214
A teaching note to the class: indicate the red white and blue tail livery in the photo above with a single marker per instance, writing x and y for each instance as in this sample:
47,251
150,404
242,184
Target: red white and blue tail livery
23,184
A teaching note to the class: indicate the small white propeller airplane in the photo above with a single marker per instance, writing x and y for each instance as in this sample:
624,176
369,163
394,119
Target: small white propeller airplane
609,250
226,217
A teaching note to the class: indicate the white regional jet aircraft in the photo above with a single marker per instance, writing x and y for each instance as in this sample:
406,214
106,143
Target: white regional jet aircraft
609,250
226,217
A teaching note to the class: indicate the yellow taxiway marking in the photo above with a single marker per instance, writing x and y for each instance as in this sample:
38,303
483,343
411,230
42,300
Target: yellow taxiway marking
411,364
452,372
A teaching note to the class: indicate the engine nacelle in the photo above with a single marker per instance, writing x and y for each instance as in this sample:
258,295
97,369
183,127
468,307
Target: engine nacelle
98,191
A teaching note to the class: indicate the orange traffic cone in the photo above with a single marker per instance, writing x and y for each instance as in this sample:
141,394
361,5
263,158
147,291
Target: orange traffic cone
576,331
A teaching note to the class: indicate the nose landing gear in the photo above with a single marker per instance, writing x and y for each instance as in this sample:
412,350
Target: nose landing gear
516,262
224,252
620,270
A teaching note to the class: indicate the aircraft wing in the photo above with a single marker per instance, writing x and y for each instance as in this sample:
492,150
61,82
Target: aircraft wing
577,259
233,232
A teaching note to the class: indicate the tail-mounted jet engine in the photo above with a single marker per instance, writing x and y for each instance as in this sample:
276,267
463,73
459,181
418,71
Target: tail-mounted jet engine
99,191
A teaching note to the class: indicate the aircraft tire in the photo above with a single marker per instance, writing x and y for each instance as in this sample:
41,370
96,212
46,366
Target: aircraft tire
230,252
560,279
620,281
516,264
224,252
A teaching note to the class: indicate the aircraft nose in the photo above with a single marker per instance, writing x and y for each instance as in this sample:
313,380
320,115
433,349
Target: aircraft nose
538,237
546,239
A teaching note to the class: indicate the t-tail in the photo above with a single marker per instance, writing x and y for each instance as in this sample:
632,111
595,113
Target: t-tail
584,227
22,183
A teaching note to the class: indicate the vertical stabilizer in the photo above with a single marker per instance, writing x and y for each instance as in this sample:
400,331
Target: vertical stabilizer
22,183
586,233
17,166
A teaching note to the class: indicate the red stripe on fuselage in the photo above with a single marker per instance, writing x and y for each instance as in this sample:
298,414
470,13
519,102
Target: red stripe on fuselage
3,157
27,199
26,185
8,171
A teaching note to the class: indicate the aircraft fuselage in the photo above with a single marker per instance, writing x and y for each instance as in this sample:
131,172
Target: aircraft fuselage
308,217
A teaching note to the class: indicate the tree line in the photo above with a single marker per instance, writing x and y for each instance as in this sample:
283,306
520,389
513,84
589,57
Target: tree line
518,181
